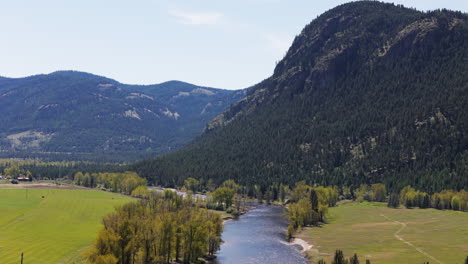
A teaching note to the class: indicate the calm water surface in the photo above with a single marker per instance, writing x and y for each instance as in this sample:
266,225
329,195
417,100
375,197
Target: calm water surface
258,237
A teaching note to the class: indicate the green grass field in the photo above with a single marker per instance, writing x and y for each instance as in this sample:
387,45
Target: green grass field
373,231
53,229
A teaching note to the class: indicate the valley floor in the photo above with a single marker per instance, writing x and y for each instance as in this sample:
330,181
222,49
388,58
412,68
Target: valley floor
387,236
50,225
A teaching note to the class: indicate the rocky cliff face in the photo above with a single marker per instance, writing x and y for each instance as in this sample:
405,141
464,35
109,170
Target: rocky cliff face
356,35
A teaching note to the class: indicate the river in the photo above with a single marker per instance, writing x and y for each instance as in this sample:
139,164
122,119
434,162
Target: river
258,237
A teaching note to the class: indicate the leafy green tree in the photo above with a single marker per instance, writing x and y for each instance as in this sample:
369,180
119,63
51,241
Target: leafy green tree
141,192
224,196
12,172
231,184
404,192
192,184
78,178
379,192
116,182
362,193
346,190
158,229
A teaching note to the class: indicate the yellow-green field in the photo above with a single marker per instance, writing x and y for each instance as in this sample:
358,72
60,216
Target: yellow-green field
389,236
53,229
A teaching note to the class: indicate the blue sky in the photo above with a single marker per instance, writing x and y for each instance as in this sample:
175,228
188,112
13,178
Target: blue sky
217,43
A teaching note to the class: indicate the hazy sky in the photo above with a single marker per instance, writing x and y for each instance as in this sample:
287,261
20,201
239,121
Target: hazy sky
218,43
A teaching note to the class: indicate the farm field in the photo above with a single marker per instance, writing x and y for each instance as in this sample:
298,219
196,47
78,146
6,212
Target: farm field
387,236
53,229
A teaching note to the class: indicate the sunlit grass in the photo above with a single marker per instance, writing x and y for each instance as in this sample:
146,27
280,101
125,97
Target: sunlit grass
369,229
53,229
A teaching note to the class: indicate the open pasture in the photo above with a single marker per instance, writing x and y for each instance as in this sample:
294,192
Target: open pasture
50,225
387,236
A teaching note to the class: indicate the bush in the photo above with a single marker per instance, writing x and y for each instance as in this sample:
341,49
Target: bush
233,211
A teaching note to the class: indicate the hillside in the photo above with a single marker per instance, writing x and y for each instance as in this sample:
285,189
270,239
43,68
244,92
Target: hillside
84,116
368,92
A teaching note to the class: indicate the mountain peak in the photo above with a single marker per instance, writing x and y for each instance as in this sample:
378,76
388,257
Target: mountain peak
365,91
352,34
72,111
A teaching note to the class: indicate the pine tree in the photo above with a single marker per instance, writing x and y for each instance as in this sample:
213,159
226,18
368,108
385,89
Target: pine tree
394,200
314,200
354,259
339,257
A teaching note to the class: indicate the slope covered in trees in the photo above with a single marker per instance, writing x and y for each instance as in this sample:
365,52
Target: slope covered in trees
368,92
71,114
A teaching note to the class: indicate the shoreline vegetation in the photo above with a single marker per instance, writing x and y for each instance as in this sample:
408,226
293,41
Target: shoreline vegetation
91,255
307,206
162,227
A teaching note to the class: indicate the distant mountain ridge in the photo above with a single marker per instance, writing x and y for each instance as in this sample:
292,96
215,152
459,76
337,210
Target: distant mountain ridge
368,92
77,112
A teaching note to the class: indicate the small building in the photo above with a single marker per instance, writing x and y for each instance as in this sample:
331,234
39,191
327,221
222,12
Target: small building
24,179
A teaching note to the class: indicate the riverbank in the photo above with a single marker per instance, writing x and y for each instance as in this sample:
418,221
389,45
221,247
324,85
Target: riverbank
225,215
302,243
258,236
386,235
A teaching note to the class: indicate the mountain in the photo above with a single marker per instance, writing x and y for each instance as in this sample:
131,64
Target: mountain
67,113
368,92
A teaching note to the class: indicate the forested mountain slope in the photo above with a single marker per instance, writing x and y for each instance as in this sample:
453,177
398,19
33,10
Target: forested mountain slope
368,92
75,112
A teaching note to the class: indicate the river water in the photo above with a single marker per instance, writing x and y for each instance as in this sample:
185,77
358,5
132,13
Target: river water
258,237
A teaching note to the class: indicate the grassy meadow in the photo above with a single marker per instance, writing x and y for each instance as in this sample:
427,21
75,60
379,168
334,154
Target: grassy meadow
53,229
388,236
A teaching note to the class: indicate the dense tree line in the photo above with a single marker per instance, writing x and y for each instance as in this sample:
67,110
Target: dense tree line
44,170
162,228
444,200
124,183
13,172
375,192
408,197
379,111
309,206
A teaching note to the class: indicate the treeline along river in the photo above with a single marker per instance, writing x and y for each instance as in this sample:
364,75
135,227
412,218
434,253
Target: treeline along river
259,236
